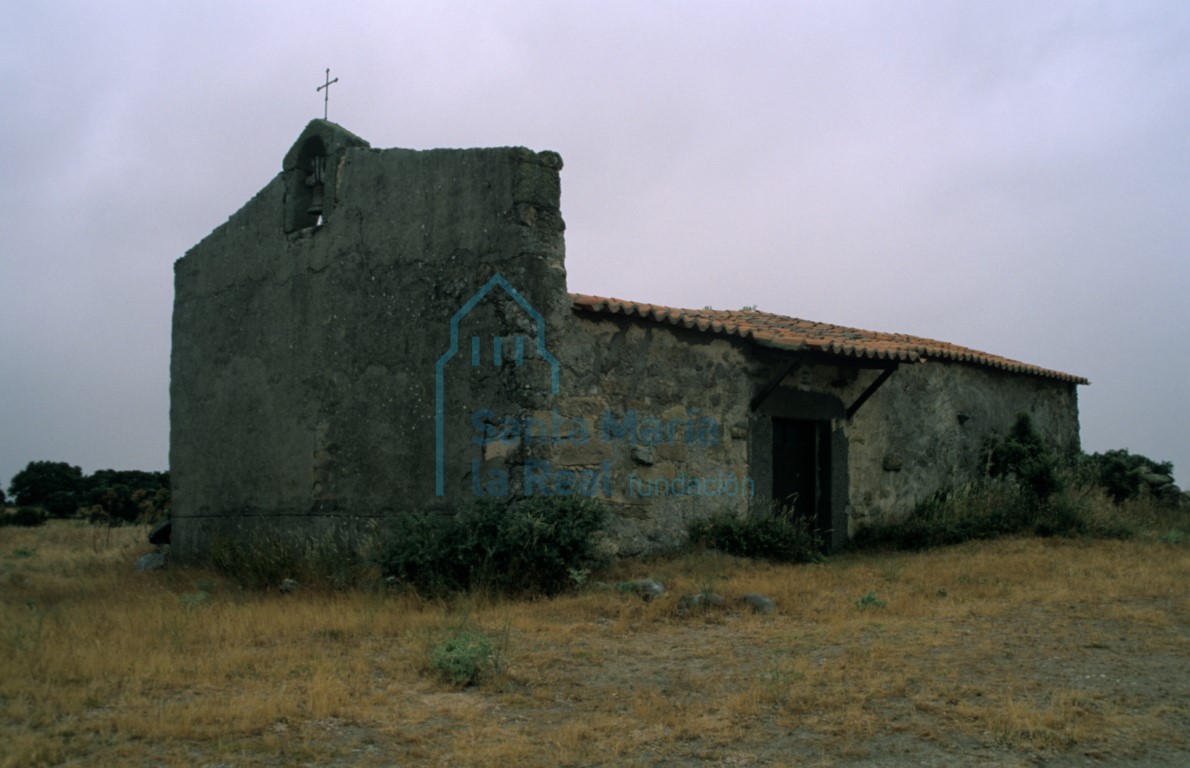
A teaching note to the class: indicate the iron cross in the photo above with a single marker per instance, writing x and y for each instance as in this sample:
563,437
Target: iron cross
326,87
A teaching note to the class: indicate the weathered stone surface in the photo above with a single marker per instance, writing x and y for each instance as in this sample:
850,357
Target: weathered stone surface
701,601
153,561
379,332
914,417
303,382
673,452
648,589
587,454
1156,479
645,455
759,603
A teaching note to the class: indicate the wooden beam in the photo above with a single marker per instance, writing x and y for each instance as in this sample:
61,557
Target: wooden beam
871,390
764,393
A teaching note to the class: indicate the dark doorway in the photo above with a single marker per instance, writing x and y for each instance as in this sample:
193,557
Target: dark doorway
801,470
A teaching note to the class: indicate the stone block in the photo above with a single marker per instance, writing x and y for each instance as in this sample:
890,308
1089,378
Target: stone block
580,455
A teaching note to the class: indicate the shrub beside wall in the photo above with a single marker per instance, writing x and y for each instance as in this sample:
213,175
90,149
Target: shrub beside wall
537,545
1032,490
331,560
775,535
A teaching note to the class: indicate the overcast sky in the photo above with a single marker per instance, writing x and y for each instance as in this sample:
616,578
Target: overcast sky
1010,176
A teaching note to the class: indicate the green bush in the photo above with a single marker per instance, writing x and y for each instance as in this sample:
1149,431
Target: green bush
24,517
777,535
465,657
61,504
529,545
1029,490
1120,473
1023,455
1144,517
870,600
990,510
979,511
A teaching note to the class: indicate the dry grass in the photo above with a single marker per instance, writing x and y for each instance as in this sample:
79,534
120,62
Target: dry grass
991,653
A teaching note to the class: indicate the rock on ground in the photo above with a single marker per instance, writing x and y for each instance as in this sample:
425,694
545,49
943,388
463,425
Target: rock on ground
646,588
154,561
759,603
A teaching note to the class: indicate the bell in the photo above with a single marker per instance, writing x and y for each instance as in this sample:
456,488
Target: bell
315,208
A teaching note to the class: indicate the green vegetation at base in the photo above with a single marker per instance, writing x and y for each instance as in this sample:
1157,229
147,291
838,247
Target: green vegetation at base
775,535
1031,490
332,560
987,511
527,546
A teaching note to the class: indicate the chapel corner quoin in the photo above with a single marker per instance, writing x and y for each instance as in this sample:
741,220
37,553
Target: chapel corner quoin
379,332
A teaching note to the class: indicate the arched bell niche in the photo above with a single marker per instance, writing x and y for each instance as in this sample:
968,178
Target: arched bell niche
308,169
307,188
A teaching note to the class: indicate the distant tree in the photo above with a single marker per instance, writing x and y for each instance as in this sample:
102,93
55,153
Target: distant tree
115,496
152,506
126,496
39,479
61,504
133,478
3,499
1122,474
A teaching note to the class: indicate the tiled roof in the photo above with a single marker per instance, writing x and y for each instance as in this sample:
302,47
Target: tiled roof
792,334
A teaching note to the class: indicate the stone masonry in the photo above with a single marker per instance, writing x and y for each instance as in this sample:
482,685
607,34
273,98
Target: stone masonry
379,332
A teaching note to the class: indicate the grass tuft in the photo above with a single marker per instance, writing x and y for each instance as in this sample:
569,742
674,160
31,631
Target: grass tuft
465,657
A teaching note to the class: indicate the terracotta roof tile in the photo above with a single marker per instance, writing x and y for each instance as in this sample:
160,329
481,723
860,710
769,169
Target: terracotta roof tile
792,334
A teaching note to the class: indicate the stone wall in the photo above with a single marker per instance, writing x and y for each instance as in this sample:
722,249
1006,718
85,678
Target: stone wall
305,349
667,410
923,430
926,427
383,331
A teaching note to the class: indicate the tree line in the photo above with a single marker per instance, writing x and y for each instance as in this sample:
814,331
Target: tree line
61,490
